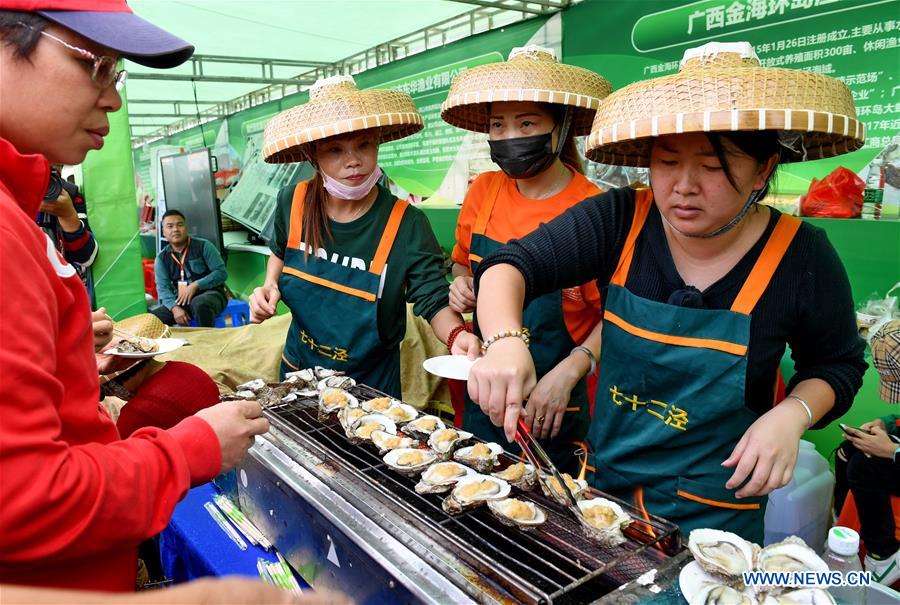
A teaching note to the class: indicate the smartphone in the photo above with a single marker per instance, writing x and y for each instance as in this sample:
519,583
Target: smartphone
852,429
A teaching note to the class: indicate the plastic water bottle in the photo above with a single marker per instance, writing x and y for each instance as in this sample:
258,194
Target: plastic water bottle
842,554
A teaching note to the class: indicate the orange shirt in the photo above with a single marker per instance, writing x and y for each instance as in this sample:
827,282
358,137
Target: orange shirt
515,216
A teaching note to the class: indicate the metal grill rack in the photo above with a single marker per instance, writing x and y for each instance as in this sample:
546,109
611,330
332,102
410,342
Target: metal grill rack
553,563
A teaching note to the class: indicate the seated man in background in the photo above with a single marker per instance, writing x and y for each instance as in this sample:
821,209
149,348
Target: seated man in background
868,464
190,276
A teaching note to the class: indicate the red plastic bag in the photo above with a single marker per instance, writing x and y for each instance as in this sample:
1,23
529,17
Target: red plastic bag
838,195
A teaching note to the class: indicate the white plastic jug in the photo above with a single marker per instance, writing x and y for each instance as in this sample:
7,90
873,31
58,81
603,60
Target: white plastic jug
802,508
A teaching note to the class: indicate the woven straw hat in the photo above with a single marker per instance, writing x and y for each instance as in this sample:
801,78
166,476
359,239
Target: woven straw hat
145,325
336,106
532,73
721,87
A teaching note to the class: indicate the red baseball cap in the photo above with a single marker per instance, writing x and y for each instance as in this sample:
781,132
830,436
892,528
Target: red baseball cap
112,24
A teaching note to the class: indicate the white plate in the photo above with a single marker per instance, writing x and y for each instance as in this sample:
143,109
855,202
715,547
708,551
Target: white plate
166,345
449,366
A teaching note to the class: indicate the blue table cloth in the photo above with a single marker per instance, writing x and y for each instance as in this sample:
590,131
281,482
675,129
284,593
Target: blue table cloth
193,545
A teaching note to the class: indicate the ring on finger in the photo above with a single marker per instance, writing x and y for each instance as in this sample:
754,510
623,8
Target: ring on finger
539,419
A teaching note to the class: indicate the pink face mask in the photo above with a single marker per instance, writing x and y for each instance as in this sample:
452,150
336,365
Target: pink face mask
351,192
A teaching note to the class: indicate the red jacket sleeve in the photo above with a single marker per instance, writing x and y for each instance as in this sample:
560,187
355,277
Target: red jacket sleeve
70,487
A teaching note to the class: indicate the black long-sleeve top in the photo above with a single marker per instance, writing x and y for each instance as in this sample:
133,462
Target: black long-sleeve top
807,305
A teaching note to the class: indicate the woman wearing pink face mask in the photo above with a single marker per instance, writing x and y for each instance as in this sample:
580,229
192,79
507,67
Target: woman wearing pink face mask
347,255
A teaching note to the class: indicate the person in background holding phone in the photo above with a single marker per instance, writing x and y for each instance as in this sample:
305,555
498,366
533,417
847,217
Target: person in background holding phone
868,464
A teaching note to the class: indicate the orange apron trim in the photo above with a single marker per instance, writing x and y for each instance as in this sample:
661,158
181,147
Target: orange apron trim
474,258
387,239
643,200
731,505
369,296
766,264
296,229
681,341
285,360
484,213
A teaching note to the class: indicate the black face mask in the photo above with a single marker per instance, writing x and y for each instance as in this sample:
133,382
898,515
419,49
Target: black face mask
523,157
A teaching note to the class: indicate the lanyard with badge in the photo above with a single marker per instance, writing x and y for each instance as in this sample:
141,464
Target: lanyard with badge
182,281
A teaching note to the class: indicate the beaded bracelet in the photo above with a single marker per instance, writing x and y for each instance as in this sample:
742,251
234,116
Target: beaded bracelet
522,333
451,338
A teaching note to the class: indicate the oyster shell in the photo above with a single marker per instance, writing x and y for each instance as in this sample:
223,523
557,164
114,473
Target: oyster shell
517,513
481,456
445,441
441,477
720,594
386,442
722,553
791,554
604,521
518,475
362,429
348,417
401,413
409,461
307,376
336,382
333,400
802,596
474,490
378,405
253,385
550,486
321,372
423,426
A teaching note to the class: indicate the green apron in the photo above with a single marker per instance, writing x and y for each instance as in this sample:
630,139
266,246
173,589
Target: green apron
335,309
670,397
550,344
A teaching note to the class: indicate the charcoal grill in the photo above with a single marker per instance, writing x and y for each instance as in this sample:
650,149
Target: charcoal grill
344,519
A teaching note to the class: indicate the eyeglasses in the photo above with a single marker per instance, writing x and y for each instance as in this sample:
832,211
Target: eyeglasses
103,72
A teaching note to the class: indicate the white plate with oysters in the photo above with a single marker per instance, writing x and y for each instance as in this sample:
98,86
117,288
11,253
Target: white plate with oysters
721,557
139,348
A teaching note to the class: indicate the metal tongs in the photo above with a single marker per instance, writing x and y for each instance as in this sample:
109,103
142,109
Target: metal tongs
531,447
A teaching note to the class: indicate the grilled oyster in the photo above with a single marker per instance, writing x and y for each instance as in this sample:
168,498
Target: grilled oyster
791,554
307,376
722,553
445,441
519,475
138,344
322,373
378,405
474,490
362,429
518,513
409,461
551,487
336,382
481,456
386,442
604,521
253,385
720,594
802,596
441,477
423,426
333,400
401,413
348,417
